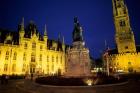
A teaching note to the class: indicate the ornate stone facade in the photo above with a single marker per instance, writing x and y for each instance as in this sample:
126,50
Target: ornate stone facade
26,52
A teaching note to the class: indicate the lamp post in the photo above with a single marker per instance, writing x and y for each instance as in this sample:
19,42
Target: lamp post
106,57
107,66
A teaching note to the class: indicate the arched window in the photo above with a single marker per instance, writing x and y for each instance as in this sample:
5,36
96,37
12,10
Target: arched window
25,45
52,58
24,56
7,55
33,45
5,67
122,23
32,57
15,55
57,59
41,47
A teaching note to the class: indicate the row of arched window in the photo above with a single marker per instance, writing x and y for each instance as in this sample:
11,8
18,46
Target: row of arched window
33,46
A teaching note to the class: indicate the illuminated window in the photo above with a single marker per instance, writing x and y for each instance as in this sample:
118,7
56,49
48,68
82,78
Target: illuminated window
122,23
32,69
47,58
15,55
6,58
41,47
25,46
126,47
7,55
32,58
33,45
52,58
5,67
14,67
40,57
24,56
57,59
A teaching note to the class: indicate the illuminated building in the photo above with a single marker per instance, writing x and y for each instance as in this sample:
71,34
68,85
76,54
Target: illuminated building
26,52
126,58
78,60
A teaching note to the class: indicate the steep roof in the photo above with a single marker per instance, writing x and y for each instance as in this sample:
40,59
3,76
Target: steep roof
52,44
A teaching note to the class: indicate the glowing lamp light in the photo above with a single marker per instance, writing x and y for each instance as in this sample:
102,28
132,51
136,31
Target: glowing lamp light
89,82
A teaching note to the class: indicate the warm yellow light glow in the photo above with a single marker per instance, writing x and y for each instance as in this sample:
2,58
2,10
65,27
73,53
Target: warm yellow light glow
31,56
89,82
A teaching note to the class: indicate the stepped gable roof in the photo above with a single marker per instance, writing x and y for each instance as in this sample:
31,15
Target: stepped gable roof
13,34
58,46
15,39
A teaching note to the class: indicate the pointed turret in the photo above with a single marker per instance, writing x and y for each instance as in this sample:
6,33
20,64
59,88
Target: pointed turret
59,44
59,37
63,43
34,32
63,40
45,33
21,28
22,24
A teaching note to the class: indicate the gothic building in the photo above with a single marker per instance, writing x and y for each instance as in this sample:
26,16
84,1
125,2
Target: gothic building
126,58
27,51
78,60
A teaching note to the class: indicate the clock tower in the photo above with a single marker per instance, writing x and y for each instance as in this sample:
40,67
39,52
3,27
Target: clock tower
124,35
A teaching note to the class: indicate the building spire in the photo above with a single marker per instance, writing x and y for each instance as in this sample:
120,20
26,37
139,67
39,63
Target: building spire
105,44
45,31
59,37
63,41
22,24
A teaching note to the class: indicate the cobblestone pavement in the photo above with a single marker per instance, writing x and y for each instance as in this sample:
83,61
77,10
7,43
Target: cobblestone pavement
28,86
10,87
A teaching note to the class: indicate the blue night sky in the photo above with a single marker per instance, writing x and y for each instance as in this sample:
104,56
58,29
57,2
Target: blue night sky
95,16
